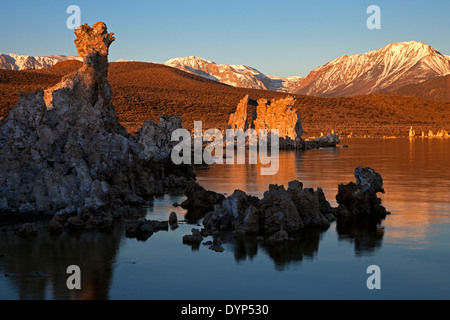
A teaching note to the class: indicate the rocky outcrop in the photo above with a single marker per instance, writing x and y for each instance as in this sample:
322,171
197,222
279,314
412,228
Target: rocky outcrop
143,229
157,138
200,201
282,212
329,141
361,199
270,115
68,154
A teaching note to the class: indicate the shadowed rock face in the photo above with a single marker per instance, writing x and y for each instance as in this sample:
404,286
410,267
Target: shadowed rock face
280,213
361,199
69,154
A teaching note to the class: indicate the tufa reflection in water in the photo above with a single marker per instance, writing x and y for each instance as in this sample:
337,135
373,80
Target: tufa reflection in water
36,266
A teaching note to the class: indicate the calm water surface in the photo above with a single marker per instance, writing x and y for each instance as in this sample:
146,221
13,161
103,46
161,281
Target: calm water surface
412,246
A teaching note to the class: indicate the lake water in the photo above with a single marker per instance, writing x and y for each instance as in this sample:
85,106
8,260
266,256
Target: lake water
411,247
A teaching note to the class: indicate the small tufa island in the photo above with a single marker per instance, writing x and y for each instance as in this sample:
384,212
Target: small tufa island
282,212
63,153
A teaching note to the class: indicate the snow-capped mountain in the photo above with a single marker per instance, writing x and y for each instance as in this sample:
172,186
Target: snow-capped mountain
382,70
22,62
234,75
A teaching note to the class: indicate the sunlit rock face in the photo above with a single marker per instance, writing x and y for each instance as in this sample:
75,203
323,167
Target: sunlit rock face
277,114
68,153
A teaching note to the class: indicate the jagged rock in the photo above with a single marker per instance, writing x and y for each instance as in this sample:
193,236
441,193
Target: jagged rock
279,211
245,114
328,141
157,138
143,229
361,198
199,199
231,212
270,115
310,205
69,150
369,180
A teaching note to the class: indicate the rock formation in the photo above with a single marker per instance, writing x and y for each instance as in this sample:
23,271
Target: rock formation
156,138
278,115
143,229
270,115
328,141
282,212
361,199
412,133
68,154
199,200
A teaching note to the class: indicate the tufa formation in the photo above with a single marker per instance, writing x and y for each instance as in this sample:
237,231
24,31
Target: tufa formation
64,151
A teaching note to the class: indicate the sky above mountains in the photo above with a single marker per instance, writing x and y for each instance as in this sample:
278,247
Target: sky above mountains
284,38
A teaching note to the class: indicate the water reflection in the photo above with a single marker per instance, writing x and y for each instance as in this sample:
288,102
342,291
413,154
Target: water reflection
416,180
365,233
36,266
305,246
415,173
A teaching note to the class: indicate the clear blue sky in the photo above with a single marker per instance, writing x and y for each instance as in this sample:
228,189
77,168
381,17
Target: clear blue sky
284,37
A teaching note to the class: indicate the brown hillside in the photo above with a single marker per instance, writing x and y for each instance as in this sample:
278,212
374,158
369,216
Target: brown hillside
436,88
146,90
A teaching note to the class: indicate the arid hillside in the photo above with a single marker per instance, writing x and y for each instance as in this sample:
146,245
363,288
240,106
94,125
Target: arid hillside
437,88
146,90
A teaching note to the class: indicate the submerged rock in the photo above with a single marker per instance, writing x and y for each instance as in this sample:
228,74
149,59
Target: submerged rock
65,151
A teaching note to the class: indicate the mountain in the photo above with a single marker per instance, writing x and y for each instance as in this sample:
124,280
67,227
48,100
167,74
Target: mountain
12,61
437,88
379,71
240,76
144,91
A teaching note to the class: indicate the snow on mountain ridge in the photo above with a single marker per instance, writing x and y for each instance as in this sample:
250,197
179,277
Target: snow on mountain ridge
13,61
382,70
234,75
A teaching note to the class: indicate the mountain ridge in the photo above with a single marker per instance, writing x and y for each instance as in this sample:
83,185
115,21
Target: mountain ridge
385,70
11,61
144,91
241,76
378,71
